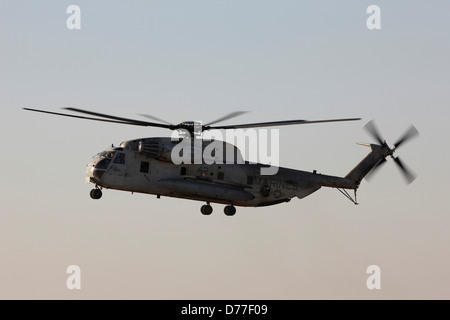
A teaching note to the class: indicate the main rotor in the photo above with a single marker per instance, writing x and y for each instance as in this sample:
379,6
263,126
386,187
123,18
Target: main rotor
190,126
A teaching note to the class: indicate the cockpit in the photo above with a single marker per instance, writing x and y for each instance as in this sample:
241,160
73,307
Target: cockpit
102,161
105,159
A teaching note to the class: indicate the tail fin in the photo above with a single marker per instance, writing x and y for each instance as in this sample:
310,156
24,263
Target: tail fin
377,155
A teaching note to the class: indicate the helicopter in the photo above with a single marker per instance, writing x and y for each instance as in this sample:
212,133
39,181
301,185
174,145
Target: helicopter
146,165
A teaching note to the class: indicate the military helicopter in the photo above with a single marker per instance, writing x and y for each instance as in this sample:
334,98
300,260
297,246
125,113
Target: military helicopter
145,165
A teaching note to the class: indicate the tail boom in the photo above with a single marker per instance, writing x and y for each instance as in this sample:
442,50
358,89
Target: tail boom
379,153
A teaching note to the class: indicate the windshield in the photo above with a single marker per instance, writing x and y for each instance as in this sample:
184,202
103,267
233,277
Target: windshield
106,154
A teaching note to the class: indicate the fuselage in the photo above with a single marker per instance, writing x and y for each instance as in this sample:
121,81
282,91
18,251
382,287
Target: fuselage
133,168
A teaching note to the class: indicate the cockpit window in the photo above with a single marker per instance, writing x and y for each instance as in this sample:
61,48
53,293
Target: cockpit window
109,154
106,154
120,158
103,164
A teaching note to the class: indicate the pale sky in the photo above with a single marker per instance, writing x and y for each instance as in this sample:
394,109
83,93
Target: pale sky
198,60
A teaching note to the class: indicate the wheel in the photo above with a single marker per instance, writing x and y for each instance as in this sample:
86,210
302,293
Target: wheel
96,194
229,210
206,209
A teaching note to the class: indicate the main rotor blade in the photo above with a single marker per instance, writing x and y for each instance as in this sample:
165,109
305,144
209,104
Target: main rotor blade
107,116
372,172
155,118
409,134
278,123
372,129
227,117
80,117
409,175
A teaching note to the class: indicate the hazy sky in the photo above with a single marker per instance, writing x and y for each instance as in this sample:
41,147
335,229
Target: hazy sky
197,60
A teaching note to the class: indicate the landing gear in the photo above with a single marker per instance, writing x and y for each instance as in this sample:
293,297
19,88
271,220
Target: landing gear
229,210
206,210
96,194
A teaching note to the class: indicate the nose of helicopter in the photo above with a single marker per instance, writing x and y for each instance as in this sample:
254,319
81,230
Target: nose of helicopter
95,170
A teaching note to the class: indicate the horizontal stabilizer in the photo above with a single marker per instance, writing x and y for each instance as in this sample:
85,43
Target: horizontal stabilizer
363,144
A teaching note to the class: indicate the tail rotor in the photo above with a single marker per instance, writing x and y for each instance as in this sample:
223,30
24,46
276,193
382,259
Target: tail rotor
408,135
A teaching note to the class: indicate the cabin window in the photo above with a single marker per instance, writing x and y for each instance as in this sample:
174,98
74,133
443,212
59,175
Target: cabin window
183,171
249,180
145,166
120,158
220,176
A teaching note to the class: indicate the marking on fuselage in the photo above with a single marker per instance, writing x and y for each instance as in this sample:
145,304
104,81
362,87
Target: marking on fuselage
276,183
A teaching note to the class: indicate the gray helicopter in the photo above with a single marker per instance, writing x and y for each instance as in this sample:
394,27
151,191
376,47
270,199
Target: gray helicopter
146,165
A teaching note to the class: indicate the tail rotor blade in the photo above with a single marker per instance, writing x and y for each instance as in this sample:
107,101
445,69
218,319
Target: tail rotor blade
409,134
372,172
372,129
409,175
